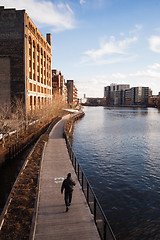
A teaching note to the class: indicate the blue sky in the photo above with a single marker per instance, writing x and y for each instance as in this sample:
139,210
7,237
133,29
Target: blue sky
99,42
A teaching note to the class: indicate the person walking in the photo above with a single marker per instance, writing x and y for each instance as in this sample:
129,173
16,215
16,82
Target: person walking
68,185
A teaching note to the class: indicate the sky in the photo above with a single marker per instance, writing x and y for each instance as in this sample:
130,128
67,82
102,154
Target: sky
100,42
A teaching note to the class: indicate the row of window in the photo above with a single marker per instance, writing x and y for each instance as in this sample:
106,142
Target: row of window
40,79
34,88
42,52
38,102
48,65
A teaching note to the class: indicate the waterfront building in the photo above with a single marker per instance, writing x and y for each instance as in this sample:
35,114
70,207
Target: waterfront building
127,97
25,60
57,82
152,100
140,95
158,101
71,93
114,93
95,102
122,94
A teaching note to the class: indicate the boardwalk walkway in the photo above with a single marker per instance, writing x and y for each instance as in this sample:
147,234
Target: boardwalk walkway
53,222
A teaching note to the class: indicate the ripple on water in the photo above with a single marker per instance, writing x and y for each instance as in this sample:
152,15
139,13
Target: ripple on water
119,152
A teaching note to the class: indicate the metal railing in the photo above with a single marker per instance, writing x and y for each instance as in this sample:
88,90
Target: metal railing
100,219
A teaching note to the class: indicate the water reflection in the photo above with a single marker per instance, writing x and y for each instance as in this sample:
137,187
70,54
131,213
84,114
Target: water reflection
119,151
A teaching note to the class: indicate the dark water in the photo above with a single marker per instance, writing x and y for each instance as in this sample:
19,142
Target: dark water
119,150
8,173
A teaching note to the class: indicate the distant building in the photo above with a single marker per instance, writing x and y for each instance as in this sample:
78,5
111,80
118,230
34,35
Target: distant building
152,101
140,95
71,93
128,97
25,60
114,93
58,82
122,94
95,102
158,101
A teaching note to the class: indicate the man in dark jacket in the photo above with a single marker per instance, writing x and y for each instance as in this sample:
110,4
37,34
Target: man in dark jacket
68,185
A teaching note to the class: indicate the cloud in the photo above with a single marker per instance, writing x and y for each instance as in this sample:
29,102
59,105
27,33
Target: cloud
59,16
94,85
114,50
136,29
118,75
154,42
82,2
154,66
110,52
111,47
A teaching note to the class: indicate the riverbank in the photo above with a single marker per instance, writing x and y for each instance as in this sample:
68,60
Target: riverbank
16,218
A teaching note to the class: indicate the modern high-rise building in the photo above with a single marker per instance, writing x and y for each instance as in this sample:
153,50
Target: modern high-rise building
122,94
25,60
114,93
140,95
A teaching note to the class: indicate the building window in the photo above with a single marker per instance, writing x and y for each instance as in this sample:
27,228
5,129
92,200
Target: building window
30,75
30,86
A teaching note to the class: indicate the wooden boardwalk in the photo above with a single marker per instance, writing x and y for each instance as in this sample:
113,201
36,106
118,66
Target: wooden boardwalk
53,222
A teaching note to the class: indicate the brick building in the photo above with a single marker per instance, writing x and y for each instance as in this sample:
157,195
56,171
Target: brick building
58,82
71,93
25,60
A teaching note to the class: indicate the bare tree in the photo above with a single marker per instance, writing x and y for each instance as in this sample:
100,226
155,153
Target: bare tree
19,115
5,114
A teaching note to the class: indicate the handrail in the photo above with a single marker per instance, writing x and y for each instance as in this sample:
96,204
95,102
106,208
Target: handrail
100,219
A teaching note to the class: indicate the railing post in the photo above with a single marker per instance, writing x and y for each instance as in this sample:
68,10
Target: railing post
87,192
75,164
104,230
95,211
78,171
82,181
71,155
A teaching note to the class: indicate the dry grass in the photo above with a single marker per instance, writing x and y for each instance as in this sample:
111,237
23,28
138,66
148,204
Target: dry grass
18,219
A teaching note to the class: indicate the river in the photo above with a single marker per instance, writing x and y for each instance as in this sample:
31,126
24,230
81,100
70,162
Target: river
119,151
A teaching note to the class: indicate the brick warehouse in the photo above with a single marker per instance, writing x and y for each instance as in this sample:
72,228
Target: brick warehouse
25,60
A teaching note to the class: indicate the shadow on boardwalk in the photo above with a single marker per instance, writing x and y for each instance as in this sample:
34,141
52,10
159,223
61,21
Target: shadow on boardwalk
52,221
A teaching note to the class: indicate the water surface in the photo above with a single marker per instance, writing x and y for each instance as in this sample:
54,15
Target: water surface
118,148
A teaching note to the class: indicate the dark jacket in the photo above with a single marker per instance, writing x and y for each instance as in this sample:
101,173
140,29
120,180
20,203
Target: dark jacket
68,185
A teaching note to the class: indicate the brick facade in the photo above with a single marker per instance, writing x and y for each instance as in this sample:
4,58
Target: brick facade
26,57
